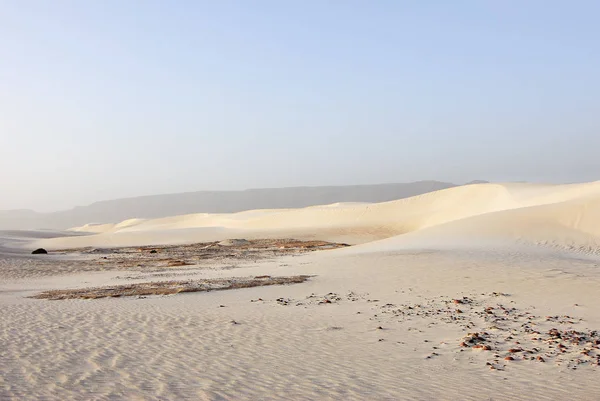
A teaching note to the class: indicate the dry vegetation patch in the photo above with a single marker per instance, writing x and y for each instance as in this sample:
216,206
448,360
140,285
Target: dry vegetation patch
230,252
169,287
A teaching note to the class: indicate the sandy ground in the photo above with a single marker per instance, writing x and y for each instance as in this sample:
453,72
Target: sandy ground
409,312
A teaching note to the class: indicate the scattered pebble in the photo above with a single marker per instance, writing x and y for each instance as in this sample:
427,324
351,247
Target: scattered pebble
490,325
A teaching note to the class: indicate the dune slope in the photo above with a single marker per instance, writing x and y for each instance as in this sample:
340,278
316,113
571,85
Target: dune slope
562,216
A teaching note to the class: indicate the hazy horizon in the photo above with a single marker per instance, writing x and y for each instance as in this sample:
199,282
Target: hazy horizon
109,100
149,195
235,190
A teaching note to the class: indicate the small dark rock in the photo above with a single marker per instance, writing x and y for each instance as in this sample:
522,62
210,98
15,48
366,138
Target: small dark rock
40,251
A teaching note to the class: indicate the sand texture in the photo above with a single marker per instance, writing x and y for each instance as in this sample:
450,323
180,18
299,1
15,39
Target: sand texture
481,292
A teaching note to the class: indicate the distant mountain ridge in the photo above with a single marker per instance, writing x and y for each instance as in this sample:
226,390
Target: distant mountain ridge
155,206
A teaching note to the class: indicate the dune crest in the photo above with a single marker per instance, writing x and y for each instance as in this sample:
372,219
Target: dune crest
561,216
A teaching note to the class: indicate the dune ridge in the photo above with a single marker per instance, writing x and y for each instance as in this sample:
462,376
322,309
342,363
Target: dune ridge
559,216
157,206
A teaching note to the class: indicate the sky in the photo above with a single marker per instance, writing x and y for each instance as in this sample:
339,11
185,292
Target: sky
118,98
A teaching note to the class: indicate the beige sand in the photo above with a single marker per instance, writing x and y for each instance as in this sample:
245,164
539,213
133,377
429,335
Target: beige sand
377,321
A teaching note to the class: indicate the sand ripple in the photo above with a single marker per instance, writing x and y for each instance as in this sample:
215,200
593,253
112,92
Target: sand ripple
171,348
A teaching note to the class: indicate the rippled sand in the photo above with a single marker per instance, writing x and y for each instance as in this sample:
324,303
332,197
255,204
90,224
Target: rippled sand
285,342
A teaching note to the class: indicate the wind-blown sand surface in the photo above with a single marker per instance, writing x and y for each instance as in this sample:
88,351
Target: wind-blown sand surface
408,312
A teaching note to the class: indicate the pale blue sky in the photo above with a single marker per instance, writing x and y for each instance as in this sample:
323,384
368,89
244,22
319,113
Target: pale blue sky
107,99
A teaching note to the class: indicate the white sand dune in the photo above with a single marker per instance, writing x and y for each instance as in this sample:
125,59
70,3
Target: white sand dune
570,225
156,206
536,245
560,216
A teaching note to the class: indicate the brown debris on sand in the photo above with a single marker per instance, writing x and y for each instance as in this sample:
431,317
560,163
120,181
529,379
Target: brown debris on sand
160,258
203,255
168,287
494,327
514,334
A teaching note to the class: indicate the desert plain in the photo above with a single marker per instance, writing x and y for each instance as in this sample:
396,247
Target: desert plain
478,292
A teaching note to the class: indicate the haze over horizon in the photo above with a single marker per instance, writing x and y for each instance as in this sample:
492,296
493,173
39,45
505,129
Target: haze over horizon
107,100
234,190
442,184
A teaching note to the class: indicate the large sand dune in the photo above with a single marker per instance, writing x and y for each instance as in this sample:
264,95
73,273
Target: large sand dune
560,216
156,206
